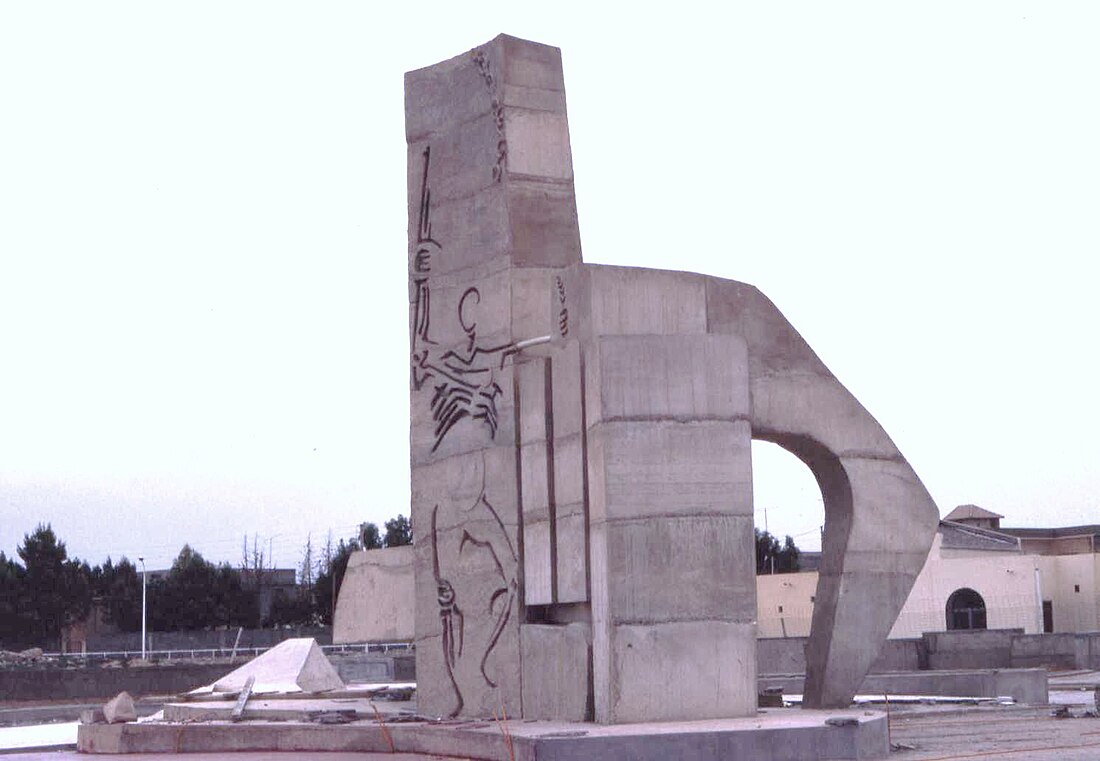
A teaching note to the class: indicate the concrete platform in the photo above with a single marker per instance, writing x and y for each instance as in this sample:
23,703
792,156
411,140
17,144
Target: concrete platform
774,734
1023,685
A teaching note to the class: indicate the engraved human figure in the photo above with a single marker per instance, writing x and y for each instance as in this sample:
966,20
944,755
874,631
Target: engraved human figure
462,379
479,551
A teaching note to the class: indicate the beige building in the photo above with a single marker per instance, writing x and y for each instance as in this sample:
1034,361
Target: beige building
977,575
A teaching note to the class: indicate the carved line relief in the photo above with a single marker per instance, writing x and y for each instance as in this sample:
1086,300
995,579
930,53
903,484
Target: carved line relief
500,602
482,62
463,382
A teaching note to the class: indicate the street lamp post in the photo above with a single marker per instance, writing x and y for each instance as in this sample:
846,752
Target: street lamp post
142,561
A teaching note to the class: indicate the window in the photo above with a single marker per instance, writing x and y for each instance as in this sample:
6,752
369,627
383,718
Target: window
965,610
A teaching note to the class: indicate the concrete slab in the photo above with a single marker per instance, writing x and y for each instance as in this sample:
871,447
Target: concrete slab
1024,685
782,735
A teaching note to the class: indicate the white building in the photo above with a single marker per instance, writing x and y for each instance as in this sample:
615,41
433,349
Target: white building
977,575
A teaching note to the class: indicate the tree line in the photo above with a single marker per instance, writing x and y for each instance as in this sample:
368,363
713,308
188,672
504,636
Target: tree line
44,591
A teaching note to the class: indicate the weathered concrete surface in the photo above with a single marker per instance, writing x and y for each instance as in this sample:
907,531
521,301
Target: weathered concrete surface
374,602
788,656
783,735
557,669
880,521
580,434
491,215
296,665
674,581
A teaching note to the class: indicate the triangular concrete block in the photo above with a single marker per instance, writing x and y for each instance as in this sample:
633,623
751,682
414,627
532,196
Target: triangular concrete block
119,709
294,665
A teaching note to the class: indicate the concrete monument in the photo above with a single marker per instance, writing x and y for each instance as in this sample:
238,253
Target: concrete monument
581,470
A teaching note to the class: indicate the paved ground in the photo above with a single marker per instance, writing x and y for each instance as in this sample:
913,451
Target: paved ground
1010,733
936,733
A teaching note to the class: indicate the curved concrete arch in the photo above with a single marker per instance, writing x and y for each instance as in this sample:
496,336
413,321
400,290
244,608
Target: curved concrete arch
879,518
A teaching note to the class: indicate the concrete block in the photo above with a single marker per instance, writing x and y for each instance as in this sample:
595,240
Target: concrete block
466,232
530,306
376,596
669,468
626,300
569,471
459,165
557,671
545,232
535,481
530,64
537,563
572,553
688,377
538,144
448,93
566,382
119,709
684,568
685,670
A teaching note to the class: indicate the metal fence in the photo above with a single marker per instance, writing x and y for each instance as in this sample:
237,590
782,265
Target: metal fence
225,652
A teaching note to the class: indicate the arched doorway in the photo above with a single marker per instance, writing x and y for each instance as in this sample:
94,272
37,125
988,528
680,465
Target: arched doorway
965,610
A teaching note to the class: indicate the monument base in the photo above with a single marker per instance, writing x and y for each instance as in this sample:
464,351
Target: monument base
776,734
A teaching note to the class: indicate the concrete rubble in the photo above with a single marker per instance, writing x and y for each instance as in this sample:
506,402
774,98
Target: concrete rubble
120,709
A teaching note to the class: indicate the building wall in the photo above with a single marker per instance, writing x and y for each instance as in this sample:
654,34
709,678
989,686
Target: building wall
784,604
1069,582
1006,581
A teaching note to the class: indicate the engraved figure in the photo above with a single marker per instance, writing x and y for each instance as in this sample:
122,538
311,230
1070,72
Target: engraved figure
463,383
484,549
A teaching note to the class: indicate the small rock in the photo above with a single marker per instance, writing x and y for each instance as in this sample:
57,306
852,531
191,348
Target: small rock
120,709
31,654
842,721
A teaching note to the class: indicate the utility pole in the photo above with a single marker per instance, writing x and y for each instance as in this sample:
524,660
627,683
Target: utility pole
143,585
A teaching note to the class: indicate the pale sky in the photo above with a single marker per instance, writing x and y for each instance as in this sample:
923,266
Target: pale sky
203,257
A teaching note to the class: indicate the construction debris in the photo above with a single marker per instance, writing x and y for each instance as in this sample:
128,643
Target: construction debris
120,709
246,692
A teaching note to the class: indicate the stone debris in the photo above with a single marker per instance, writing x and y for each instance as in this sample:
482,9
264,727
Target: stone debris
92,716
120,709
842,721
333,717
1065,712
246,693
29,655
